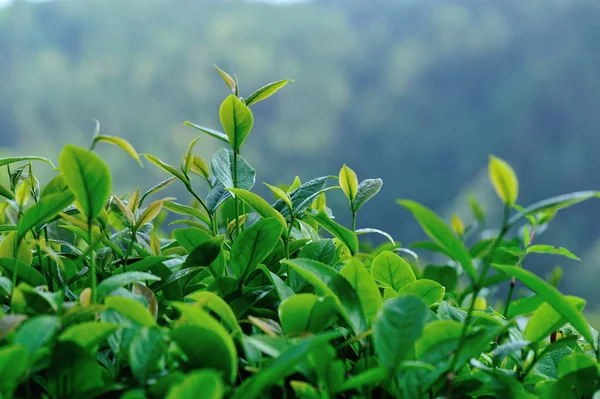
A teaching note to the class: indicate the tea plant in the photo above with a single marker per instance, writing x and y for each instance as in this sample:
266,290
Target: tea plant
251,299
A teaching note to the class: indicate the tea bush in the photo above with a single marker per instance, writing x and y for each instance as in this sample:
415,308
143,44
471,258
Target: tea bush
248,299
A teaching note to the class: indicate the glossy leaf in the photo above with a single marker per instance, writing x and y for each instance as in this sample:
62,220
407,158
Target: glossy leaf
551,295
166,167
88,334
145,352
366,190
428,290
211,132
549,249
366,289
545,320
392,271
122,144
438,231
119,280
259,205
348,182
131,309
346,236
157,188
253,245
304,313
397,327
11,160
237,120
222,167
208,382
266,91
88,177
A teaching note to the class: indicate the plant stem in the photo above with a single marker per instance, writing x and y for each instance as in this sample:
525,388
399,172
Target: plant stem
51,286
92,260
210,215
476,291
287,238
513,280
353,217
129,249
235,199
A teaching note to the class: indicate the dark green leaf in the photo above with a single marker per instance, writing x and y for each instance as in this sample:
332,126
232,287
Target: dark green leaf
119,280
304,313
222,167
347,237
366,289
397,327
253,245
145,352
208,382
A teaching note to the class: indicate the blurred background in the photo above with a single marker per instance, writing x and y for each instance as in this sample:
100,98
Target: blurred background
417,92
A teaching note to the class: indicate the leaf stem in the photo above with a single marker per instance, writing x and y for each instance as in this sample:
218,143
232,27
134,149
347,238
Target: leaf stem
476,291
92,260
287,238
353,217
235,199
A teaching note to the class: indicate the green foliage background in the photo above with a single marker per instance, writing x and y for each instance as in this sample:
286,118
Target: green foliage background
416,92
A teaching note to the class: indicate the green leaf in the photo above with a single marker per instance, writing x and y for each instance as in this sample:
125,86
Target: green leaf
375,231
156,188
575,362
328,282
9,250
391,270
122,144
211,132
213,303
237,120
253,245
73,373
446,275
167,168
546,320
552,296
266,91
119,280
190,238
303,313
260,206
549,249
186,210
302,197
280,367
222,168
366,190
554,204
145,353
9,160
88,178
45,210
504,180
397,327
428,290
14,361
205,253
6,193
348,182
443,235
229,81
366,289
283,290
88,334
131,309
25,272
280,194
34,333
321,250
205,341
435,333
347,237
208,382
